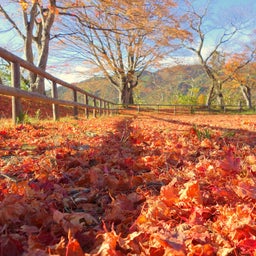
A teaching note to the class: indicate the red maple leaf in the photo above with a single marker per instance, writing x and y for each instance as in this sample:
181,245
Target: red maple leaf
230,163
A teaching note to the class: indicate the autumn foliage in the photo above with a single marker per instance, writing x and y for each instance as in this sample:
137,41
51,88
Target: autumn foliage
129,185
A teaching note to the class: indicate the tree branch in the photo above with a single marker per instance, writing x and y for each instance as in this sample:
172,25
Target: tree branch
11,21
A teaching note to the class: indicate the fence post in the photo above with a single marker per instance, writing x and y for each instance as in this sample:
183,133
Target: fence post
86,102
16,102
94,105
108,109
75,100
105,108
101,110
55,107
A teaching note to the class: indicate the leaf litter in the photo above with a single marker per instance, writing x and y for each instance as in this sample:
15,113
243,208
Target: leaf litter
129,185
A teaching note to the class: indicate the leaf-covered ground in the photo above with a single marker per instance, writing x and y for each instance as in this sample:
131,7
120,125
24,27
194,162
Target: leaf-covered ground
129,185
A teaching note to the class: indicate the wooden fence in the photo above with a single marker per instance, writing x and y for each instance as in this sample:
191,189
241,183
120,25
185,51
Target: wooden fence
91,102
187,109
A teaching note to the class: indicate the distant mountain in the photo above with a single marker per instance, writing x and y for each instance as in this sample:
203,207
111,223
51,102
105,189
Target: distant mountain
179,84
98,86
153,88
166,85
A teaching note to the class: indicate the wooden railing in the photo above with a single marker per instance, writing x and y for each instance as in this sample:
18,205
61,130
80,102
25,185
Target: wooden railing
91,102
187,109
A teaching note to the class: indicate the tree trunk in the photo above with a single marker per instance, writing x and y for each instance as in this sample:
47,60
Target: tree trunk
127,96
219,95
246,91
210,96
42,41
38,85
220,100
43,48
29,24
215,93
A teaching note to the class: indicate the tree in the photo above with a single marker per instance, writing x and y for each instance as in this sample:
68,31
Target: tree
37,23
123,40
35,29
241,69
211,58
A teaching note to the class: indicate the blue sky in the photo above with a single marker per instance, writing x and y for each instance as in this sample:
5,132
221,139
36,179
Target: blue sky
222,11
233,3
238,8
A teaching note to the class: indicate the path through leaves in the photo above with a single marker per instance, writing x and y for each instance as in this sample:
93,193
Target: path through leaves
129,185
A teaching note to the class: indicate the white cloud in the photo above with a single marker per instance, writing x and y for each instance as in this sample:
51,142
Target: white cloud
178,60
70,74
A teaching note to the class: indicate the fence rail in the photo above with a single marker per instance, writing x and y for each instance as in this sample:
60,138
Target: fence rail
186,109
97,104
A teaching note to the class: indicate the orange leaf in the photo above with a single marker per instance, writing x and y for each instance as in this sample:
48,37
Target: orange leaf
74,248
191,192
206,143
141,219
203,250
169,194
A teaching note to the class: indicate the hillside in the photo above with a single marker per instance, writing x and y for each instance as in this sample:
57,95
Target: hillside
182,84
166,85
98,86
154,87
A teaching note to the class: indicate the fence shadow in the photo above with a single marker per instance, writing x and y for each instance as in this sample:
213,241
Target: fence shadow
248,135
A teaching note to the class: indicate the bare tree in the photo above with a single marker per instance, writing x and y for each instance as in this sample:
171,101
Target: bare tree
240,69
123,40
212,59
35,30
36,27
